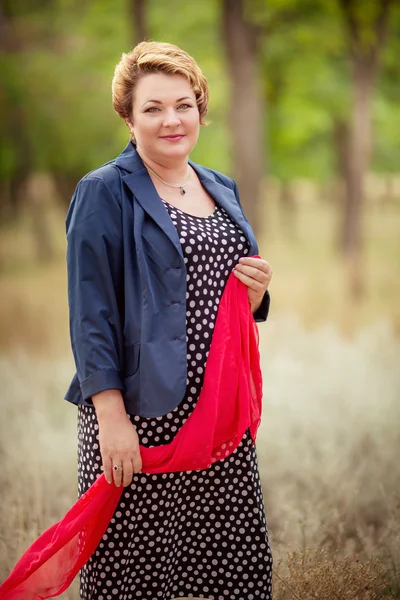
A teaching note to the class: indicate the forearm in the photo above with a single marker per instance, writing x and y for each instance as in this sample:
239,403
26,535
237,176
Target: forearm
118,438
109,404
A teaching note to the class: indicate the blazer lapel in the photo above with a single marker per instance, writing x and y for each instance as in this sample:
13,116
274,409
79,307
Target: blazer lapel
145,193
225,197
139,182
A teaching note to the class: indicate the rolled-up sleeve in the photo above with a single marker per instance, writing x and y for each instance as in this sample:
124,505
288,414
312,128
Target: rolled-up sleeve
261,314
95,286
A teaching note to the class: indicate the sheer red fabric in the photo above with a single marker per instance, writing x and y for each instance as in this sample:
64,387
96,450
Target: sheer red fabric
230,401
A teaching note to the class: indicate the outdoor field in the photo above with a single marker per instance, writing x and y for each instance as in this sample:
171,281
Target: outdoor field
329,440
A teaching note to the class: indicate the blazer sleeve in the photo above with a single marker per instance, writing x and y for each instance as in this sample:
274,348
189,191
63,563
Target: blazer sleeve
95,272
262,311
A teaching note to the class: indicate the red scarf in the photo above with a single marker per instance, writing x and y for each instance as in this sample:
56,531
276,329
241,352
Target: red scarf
229,403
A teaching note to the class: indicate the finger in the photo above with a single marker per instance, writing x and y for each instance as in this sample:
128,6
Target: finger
253,284
127,470
117,474
137,462
253,272
107,468
261,268
258,263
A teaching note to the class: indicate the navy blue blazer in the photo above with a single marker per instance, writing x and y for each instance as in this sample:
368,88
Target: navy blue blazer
127,285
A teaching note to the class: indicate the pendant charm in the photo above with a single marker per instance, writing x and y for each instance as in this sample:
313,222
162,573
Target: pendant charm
182,191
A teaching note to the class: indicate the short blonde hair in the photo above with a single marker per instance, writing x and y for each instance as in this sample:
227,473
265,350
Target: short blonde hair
156,57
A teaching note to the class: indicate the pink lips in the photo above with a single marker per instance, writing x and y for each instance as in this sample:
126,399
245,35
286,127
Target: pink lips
172,138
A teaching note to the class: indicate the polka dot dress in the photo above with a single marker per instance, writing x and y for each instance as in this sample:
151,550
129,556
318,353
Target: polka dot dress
189,534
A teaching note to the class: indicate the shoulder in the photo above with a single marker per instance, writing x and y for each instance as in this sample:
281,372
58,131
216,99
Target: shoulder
99,191
97,197
106,177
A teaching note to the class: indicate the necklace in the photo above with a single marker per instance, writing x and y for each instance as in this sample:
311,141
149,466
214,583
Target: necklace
173,185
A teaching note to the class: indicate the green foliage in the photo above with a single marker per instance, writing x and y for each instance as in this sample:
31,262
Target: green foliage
57,78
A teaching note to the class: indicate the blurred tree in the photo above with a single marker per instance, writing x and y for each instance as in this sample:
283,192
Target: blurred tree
312,101
139,20
386,104
294,126
241,39
305,87
288,57
17,147
16,151
366,27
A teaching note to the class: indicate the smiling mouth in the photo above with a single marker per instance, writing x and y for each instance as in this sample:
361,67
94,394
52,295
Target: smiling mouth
172,137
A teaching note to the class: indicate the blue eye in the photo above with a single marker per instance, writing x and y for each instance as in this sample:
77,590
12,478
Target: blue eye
156,108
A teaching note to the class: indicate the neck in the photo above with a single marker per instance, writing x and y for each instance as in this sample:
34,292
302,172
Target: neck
171,170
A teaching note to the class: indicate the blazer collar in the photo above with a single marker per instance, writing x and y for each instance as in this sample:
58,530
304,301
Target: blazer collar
139,182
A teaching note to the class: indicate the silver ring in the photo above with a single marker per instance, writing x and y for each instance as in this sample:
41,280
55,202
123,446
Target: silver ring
117,467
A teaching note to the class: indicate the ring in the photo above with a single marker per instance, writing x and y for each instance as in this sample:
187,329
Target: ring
116,468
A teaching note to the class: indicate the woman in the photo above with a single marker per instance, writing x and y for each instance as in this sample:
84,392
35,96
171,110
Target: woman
152,239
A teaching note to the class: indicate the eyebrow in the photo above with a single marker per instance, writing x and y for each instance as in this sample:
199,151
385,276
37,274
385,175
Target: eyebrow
159,101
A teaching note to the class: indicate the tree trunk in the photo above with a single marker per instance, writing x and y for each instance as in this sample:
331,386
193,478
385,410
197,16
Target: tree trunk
359,146
288,211
14,42
364,62
65,184
246,107
360,141
41,231
139,21
341,146
15,126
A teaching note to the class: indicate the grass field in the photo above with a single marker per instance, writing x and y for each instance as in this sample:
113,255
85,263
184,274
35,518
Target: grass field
329,442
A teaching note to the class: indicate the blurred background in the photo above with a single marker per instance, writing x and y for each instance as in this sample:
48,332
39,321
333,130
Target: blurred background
305,115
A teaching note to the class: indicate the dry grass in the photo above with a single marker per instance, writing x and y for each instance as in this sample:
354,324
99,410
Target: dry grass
329,442
310,277
317,574
327,448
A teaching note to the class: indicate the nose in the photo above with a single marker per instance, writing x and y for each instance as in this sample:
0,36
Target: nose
171,118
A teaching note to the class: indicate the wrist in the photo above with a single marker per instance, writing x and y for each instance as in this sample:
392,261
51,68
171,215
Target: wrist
256,305
109,404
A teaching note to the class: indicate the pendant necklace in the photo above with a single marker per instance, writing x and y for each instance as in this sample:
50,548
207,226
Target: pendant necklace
181,186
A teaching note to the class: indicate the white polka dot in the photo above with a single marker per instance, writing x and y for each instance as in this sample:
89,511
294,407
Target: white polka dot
194,515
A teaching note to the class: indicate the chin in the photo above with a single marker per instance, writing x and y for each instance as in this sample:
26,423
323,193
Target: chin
177,151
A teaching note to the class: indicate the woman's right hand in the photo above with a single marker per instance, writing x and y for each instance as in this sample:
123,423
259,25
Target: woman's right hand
118,438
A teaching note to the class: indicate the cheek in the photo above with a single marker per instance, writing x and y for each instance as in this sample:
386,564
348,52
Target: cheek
146,129
194,124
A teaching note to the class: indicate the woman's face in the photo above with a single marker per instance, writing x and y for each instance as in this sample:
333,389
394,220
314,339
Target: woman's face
165,117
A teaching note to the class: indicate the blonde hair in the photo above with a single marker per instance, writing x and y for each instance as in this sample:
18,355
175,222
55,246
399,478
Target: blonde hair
156,57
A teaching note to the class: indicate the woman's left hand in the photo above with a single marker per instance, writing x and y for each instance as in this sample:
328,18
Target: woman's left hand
256,273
